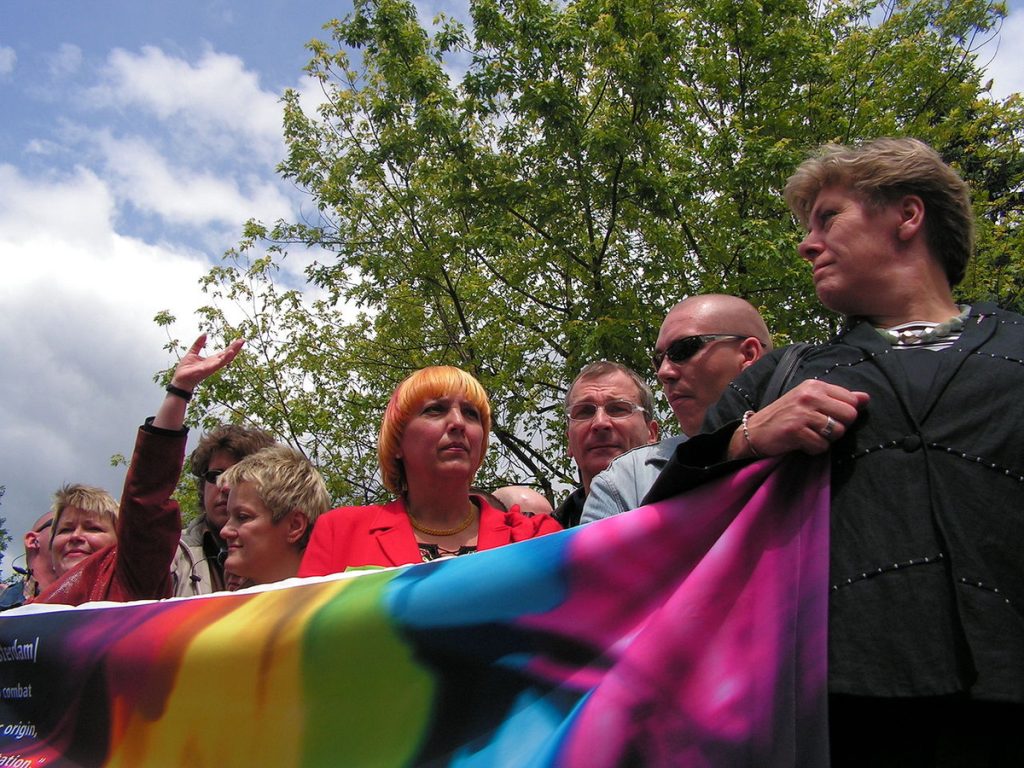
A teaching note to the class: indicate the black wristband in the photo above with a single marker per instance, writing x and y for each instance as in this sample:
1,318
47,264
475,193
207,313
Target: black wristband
184,394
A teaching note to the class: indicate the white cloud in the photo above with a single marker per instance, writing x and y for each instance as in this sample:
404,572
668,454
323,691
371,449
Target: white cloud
78,207
180,195
57,236
197,151
8,58
66,61
311,95
42,147
215,99
77,335
428,10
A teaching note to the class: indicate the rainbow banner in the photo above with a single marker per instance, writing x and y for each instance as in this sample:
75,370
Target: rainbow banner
686,633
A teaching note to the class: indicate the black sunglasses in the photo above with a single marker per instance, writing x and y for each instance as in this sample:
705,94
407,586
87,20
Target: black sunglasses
210,475
681,350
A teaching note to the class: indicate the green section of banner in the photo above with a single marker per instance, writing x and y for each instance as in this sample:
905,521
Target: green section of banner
368,701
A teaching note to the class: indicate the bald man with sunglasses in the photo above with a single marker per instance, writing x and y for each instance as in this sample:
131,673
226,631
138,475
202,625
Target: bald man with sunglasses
704,343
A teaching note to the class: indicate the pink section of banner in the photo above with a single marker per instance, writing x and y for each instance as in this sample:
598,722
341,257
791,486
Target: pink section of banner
728,664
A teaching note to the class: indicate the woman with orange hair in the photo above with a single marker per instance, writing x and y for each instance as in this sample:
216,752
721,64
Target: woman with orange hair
432,442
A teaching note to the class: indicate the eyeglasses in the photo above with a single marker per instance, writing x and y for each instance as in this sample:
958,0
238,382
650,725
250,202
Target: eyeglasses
210,475
681,350
613,409
43,527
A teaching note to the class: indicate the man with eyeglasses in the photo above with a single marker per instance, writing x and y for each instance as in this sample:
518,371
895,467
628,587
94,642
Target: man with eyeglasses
704,343
198,568
609,410
38,570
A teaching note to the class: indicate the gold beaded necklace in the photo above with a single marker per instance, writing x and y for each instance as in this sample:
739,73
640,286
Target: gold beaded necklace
444,531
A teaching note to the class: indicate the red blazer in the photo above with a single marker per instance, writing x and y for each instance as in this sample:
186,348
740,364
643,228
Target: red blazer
382,535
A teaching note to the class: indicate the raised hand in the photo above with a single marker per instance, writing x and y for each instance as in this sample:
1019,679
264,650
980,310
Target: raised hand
190,371
194,368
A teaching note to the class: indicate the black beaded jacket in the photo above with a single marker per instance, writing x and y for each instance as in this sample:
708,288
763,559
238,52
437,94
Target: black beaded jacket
927,514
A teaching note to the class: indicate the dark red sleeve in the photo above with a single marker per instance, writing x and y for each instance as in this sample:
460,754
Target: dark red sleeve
149,520
138,567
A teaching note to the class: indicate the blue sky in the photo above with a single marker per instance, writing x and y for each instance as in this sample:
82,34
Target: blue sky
135,140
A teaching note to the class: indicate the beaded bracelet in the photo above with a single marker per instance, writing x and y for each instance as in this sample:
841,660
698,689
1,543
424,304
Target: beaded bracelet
746,434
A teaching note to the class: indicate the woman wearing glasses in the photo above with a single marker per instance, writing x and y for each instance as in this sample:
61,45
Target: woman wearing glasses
102,556
432,442
198,567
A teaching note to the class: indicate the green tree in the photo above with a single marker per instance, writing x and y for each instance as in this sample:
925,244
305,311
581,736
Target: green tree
531,191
